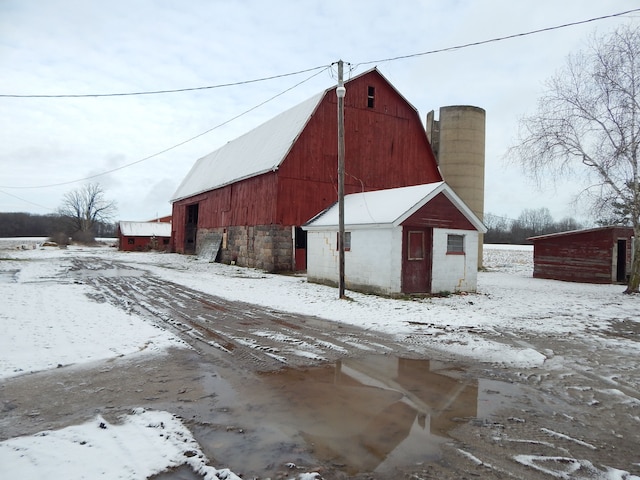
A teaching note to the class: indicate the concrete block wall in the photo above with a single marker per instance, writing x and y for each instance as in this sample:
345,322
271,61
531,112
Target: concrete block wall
267,247
372,264
454,273
322,257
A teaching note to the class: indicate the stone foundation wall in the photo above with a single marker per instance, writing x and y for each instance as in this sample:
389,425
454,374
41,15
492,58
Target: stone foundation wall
267,247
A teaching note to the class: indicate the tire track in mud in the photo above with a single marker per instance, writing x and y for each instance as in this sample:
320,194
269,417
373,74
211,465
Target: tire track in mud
240,334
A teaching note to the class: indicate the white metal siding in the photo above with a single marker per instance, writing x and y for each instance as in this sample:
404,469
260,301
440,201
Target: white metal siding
454,273
373,260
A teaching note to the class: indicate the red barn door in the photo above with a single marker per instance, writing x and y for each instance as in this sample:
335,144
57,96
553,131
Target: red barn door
417,245
191,229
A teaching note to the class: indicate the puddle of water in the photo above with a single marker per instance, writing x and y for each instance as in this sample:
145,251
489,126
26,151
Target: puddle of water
360,415
183,472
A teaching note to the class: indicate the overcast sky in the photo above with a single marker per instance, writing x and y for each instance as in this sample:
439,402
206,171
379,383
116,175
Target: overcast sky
59,47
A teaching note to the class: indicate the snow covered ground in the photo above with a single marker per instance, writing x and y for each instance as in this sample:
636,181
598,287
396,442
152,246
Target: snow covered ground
47,320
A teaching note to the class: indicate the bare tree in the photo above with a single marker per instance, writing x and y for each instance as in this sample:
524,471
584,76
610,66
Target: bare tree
536,221
567,224
588,122
85,208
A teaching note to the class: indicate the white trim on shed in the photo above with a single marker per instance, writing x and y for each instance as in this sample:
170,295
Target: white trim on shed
390,207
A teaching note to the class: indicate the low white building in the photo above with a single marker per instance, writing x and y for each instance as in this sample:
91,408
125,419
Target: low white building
418,239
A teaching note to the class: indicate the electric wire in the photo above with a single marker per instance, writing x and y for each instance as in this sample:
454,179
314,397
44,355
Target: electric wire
90,177
159,92
498,39
323,67
26,201
320,68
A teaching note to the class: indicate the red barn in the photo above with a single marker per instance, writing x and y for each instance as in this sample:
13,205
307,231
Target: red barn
597,255
253,194
142,236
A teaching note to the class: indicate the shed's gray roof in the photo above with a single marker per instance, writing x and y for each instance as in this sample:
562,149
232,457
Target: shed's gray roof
390,207
256,152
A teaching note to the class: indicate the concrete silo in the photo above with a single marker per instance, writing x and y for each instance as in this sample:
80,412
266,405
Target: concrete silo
458,141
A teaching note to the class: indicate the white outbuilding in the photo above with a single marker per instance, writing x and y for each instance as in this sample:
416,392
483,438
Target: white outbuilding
421,239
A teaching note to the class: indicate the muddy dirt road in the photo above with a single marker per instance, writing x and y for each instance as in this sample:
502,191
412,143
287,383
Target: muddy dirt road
270,394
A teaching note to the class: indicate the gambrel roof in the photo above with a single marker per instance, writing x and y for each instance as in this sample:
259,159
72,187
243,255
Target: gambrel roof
258,151
388,208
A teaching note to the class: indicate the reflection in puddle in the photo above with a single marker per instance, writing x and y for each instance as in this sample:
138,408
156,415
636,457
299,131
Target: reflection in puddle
362,412
359,415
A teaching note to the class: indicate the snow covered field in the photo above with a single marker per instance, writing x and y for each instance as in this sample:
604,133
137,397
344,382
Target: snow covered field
48,320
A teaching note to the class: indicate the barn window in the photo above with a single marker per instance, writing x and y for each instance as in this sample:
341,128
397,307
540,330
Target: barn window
455,244
347,241
131,241
371,96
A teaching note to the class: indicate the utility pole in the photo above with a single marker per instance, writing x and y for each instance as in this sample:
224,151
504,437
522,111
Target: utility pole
341,92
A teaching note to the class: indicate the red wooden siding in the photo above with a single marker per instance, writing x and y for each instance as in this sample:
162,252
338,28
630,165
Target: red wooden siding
439,213
588,256
139,244
249,202
386,146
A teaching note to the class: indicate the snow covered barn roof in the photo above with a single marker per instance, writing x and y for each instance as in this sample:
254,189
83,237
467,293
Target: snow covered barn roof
256,152
145,229
389,207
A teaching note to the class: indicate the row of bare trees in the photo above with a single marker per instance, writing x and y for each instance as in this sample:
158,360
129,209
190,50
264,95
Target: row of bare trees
19,224
85,214
530,223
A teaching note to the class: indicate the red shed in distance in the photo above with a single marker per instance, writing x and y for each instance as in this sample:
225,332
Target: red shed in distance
596,255
143,236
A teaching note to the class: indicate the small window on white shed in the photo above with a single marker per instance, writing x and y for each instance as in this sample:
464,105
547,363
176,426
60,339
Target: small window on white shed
347,241
455,244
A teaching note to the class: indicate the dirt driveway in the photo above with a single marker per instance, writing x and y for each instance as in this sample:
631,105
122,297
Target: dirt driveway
270,394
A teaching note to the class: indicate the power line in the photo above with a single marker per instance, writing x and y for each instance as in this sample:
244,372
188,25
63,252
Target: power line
169,148
157,92
25,200
323,67
499,39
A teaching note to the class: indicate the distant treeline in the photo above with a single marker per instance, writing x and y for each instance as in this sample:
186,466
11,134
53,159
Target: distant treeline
30,225
530,223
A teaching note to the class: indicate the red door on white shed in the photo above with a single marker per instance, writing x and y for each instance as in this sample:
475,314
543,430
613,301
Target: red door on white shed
417,245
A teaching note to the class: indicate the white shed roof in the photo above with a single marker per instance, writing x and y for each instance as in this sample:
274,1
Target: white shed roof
145,229
388,207
256,152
